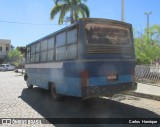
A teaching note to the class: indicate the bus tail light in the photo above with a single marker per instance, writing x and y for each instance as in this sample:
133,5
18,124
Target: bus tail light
84,78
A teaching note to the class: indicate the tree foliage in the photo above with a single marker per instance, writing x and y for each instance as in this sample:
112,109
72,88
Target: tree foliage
147,46
16,57
76,8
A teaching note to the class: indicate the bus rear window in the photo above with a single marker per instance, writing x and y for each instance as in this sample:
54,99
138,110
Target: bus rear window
107,34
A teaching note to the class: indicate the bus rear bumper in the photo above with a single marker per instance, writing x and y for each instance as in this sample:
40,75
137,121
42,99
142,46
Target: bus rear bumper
109,90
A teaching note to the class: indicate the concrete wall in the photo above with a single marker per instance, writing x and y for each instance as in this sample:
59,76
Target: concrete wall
3,44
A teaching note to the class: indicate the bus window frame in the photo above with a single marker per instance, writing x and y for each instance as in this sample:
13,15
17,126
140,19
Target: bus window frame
49,49
38,52
108,22
76,26
32,53
85,44
28,59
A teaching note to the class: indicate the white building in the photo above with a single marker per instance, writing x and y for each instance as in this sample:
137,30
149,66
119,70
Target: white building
5,47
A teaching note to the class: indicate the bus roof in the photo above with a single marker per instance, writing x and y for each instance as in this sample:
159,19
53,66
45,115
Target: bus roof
81,20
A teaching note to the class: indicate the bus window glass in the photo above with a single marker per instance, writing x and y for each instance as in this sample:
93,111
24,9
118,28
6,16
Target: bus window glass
72,36
37,57
33,49
28,49
72,51
61,53
51,43
44,45
32,58
43,56
107,34
50,55
60,39
38,47
28,58
28,55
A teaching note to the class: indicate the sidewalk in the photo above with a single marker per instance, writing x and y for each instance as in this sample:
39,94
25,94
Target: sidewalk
147,91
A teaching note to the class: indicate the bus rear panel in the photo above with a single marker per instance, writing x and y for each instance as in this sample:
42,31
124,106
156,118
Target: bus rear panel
109,59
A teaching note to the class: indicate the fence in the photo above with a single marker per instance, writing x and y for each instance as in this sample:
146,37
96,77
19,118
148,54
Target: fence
149,74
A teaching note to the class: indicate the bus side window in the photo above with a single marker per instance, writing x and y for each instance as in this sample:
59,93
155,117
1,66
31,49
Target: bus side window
37,52
37,57
43,55
61,46
33,50
66,46
72,51
32,58
61,53
72,43
38,47
50,55
60,39
28,55
72,36
44,45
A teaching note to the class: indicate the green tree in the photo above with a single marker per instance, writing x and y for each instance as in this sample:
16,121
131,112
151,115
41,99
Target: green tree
76,8
147,48
15,57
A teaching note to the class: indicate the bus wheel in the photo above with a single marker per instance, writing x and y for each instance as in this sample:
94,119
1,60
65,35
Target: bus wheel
29,85
25,77
54,94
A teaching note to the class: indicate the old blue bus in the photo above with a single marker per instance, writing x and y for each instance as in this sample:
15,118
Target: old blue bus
90,58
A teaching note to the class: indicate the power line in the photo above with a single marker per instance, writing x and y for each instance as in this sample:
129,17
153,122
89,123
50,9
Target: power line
24,23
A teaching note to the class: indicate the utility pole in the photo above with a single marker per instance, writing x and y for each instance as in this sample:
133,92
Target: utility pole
148,13
122,10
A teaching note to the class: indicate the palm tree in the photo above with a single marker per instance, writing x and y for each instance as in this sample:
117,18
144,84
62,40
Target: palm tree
76,8
58,1
61,1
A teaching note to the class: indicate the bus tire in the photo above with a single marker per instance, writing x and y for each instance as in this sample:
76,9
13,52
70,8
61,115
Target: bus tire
29,85
54,94
25,77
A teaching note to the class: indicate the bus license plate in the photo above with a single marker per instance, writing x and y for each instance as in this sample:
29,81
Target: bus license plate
112,77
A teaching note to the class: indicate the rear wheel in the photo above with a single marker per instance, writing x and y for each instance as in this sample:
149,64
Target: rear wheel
30,86
54,94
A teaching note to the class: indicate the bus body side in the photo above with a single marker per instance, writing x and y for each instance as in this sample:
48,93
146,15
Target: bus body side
42,74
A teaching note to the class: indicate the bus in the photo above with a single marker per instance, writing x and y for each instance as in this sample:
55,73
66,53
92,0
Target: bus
90,58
